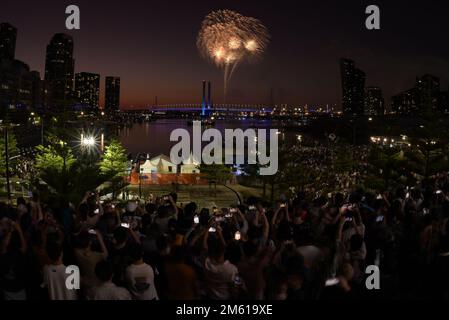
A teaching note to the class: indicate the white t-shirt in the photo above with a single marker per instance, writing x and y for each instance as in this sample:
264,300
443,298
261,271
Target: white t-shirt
55,280
219,278
140,279
109,291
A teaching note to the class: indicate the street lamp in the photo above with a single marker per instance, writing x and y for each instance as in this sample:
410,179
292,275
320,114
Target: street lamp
88,141
8,187
7,158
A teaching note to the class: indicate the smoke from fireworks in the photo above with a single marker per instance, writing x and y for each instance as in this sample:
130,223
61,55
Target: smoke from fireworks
227,38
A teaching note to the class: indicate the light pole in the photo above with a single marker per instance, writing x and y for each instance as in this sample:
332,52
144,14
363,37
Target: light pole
88,142
42,129
8,187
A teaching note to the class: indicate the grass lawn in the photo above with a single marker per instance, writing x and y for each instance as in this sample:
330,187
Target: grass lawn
204,196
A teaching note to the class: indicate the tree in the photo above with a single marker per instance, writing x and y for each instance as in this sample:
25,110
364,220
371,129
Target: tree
57,157
63,174
428,154
215,173
115,160
343,161
387,166
114,165
13,151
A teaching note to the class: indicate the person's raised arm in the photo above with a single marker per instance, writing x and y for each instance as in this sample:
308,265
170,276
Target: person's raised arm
5,242
173,203
40,215
104,250
265,226
256,218
86,196
287,212
340,228
244,227
220,235
205,237
134,235
187,235
356,212
385,198
275,215
196,237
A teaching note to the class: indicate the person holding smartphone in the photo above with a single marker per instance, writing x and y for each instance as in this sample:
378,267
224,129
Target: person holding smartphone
140,276
87,258
13,273
165,213
220,274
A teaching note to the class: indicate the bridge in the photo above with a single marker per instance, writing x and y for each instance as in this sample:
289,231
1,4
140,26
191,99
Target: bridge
198,107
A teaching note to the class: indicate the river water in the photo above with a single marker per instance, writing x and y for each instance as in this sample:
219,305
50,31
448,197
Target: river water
154,137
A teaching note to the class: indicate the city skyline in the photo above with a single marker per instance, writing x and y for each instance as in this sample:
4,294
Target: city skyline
178,82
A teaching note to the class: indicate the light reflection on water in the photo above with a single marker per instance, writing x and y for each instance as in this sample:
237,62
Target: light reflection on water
154,137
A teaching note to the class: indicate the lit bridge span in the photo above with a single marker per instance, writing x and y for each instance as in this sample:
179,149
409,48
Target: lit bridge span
216,108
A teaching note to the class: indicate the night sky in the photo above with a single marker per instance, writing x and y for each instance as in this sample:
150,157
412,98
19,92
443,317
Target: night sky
151,45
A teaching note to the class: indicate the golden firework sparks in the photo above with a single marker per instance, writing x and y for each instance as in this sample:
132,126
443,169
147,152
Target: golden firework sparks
228,38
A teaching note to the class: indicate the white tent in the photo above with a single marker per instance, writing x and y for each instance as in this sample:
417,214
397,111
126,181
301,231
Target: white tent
190,165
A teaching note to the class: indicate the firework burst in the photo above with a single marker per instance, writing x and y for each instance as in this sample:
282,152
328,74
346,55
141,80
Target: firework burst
228,38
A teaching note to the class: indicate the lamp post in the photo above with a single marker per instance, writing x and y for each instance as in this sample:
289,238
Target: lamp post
42,129
8,187
88,142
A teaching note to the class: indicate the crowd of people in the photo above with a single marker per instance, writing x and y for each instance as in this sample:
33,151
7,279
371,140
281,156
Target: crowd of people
324,168
302,247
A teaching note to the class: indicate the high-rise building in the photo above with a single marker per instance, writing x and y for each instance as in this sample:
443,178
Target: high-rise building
37,91
112,94
8,35
374,102
428,91
405,103
353,86
87,89
15,84
443,102
59,68
424,97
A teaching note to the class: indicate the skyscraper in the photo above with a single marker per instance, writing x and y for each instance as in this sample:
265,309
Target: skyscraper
15,84
59,68
428,91
443,102
353,86
8,35
405,103
87,89
424,97
112,94
374,102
